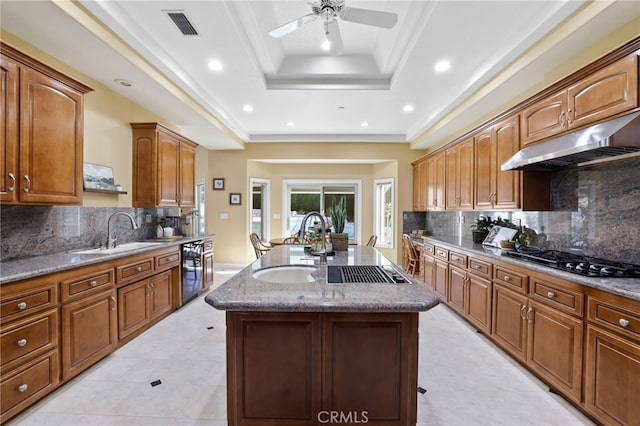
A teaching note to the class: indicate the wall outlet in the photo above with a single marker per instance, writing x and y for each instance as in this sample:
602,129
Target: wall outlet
276,215
148,218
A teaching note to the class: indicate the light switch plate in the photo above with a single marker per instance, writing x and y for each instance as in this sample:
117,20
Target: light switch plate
276,215
224,216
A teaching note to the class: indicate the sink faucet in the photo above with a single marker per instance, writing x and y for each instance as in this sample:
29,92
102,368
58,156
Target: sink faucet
111,240
323,228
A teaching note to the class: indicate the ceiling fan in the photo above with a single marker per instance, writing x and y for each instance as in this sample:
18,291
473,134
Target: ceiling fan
329,11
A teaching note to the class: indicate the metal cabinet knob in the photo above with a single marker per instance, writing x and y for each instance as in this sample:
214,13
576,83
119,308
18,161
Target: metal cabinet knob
23,388
93,283
551,295
22,342
507,277
139,268
623,322
22,305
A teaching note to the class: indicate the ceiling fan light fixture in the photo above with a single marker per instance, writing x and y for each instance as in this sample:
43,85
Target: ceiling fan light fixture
326,45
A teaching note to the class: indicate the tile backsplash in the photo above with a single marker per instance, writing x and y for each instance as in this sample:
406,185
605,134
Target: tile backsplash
594,210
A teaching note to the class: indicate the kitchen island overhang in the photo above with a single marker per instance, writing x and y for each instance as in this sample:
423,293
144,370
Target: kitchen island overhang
303,352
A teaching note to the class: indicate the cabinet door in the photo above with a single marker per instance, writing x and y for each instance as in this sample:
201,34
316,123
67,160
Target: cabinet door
168,170
187,195
544,119
452,178
465,174
51,123
554,348
611,383
440,179
610,91
507,184
419,186
441,285
484,170
9,129
133,309
478,307
457,289
428,267
508,325
207,270
430,183
160,295
89,332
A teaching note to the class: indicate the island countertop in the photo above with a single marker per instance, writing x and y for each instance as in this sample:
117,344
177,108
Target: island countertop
242,292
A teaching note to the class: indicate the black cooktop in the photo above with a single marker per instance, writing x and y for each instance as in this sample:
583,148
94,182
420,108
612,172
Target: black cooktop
576,263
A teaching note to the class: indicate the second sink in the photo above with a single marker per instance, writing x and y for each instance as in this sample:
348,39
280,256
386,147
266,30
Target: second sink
286,274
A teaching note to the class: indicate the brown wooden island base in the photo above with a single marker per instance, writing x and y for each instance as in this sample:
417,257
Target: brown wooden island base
308,368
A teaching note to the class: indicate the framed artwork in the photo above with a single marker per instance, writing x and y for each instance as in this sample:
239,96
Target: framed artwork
98,177
218,183
234,199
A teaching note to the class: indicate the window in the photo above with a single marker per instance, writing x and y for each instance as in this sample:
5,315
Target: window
383,208
302,197
259,207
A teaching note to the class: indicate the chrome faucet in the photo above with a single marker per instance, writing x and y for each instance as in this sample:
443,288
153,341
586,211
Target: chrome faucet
323,228
111,240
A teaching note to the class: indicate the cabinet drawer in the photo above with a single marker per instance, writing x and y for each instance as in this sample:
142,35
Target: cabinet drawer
168,260
428,248
87,284
133,271
622,319
561,298
207,246
28,336
442,253
30,382
480,267
28,301
458,259
512,279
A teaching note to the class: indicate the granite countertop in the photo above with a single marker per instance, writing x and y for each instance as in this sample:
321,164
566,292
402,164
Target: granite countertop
627,287
242,292
20,269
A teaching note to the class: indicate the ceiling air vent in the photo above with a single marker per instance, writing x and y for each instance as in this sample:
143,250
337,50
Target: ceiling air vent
182,22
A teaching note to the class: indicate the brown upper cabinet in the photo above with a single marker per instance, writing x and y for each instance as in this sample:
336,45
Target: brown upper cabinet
459,176
163,167
603,94
41,141
420,185
436,175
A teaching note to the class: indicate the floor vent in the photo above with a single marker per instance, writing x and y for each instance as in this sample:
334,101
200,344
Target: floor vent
182,22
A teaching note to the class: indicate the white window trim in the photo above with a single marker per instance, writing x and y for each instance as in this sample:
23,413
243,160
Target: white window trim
376,216
286,183
266,198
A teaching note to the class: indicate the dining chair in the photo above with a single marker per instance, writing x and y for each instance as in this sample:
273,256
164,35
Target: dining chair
292,240
259,247
372,241
411,258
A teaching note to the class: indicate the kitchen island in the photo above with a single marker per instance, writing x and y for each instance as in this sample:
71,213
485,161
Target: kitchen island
311,352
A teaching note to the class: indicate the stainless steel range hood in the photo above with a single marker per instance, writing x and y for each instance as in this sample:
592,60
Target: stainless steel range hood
620,136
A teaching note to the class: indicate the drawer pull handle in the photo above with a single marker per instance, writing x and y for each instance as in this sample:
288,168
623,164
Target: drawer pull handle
139,268
476,266
507,277
114,304
523,310
551,295
22,342
623,322
22,305
23,388
93,283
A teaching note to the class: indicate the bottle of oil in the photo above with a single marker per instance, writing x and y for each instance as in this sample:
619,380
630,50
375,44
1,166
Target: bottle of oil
524,237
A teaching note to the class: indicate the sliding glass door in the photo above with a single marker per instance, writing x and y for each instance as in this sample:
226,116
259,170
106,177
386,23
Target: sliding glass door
302,197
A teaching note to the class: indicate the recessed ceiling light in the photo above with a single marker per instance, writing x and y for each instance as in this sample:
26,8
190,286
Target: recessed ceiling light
442,66
215,65
124,83
247,108
290,123
364,124
407,108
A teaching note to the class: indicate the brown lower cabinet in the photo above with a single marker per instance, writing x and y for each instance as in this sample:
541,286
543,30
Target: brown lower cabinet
297,368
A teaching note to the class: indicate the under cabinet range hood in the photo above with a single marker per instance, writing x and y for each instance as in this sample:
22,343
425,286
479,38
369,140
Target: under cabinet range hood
600,142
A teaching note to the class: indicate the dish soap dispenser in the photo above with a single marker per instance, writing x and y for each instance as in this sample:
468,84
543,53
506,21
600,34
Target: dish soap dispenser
159,232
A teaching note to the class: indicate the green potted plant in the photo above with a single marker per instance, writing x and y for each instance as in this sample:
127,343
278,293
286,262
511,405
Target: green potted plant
339,240
480,228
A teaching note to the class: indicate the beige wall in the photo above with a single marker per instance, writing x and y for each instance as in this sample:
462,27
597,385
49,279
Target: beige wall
237,167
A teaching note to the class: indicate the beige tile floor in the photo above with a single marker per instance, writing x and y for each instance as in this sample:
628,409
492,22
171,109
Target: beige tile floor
468,380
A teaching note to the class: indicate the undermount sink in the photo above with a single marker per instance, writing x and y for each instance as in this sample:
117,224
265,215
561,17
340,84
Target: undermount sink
119,249
286,274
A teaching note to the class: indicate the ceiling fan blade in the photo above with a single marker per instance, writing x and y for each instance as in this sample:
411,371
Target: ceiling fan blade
289,27
369,17
332,31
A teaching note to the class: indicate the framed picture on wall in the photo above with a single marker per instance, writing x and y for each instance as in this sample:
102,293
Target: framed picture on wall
218,183
234,199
